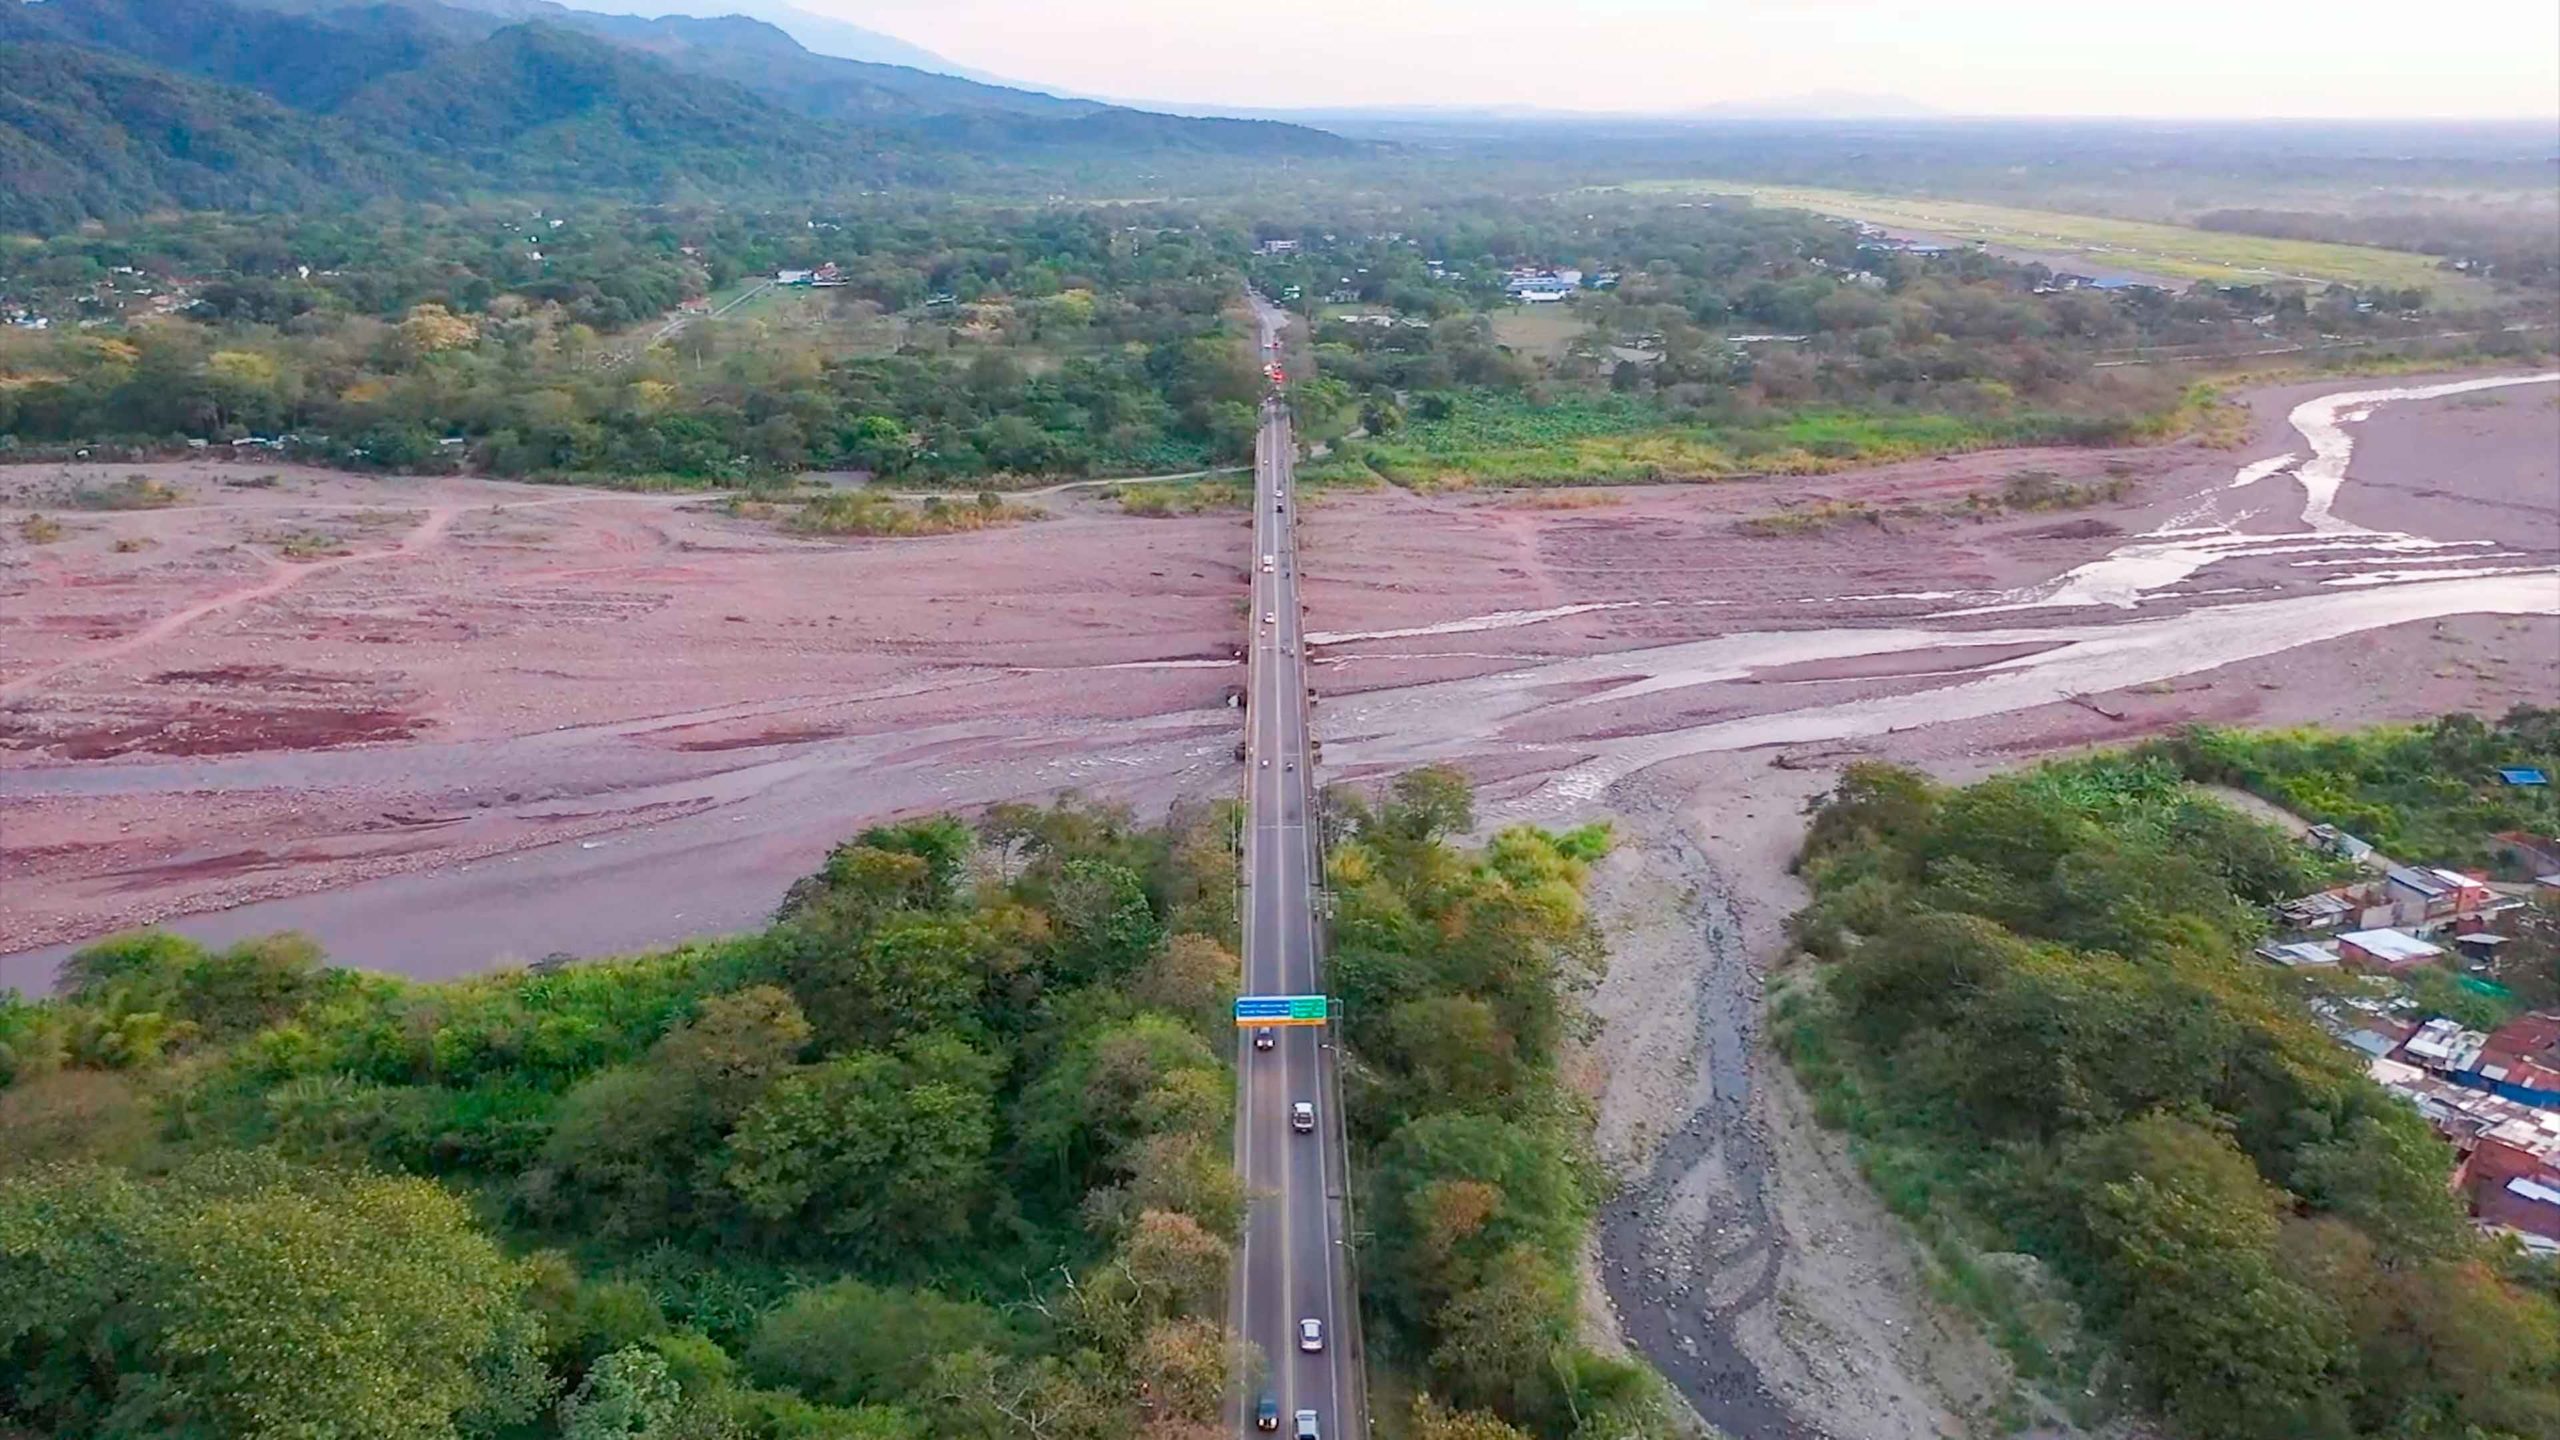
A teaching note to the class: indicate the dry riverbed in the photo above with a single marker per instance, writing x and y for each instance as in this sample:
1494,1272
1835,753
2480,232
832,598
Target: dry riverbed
446,724
1657,658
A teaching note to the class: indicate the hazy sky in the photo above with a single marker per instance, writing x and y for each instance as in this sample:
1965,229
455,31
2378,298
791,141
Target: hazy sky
2162,57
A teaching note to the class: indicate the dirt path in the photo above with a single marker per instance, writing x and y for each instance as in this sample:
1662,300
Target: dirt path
282,575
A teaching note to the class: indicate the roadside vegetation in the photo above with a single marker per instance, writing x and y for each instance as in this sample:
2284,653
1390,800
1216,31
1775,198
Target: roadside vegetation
2031,1004
1456,969
944,1152
2427,793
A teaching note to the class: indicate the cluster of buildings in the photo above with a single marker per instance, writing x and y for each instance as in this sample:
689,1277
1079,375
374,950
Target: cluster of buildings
825,277
1538,285
2391,922
2493,1095
126,293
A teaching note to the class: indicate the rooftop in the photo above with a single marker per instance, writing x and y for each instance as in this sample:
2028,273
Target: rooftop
2391,946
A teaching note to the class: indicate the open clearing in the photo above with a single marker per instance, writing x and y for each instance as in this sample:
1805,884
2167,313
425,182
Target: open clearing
1544,331
488,721
2119,245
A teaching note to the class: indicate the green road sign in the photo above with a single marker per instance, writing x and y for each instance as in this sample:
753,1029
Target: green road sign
1258,1010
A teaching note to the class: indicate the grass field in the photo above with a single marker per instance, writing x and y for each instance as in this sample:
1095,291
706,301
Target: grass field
1540,330
2176,251
1506,440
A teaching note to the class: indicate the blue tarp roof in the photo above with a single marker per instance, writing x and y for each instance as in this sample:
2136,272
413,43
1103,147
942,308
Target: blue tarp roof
2522,775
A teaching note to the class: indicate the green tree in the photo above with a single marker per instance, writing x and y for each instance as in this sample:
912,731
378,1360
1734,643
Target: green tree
626,1395
2186,1233
243,1297
1106,928
885,1154
849,1343
1497,1337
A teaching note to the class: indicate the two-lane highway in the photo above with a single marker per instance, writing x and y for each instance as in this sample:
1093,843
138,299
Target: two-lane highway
1292,1267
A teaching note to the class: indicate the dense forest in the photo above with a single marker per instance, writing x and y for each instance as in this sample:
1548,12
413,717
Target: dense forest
965,341
941,1153
1066,341
2033,1007
944,1152
1455,971
1712,338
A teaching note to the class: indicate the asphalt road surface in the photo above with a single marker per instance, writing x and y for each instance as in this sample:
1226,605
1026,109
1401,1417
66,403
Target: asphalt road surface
1292,1266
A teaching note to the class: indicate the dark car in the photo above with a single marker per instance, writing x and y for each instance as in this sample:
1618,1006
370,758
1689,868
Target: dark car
1266,1412
1262,1038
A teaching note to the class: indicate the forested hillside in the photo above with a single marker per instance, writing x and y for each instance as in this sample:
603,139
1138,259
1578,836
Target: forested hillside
157,105
2036,1013
942,1153
87,135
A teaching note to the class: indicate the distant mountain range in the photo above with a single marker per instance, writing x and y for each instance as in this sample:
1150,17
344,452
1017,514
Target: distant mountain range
820,34
110,108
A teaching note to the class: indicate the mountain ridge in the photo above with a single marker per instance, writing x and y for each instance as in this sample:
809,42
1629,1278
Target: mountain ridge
134,105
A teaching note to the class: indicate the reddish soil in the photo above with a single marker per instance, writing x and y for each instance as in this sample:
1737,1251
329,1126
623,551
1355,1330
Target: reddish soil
190,721
500,720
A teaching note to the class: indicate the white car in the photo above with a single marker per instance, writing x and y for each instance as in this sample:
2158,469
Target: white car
1311,1335
1302,1118
1270,617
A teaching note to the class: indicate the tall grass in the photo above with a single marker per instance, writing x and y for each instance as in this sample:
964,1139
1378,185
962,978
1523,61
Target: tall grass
857,513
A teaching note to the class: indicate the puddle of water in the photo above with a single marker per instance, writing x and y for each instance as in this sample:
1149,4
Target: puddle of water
1497,620
2395,577
2251,474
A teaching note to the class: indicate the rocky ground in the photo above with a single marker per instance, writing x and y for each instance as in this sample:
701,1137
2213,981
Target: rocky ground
441,723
